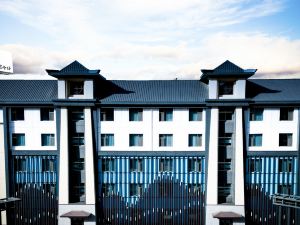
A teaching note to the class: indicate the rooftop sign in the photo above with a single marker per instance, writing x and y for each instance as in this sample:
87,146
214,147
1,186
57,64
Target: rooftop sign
6,64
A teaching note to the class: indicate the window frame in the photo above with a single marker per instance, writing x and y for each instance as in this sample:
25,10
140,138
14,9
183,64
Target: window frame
286,114
50,139
166,115
252,137
166,165
136,137
136,165
163,140
285,165
284,140
195,111
135,114
108,165
225,87
257,114
198,140
15,140
107,114
17,114
76,87
194,165
105,140
47,114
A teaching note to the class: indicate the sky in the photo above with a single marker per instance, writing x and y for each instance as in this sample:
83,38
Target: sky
152,39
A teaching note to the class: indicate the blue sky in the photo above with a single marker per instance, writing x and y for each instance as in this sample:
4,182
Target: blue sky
152,39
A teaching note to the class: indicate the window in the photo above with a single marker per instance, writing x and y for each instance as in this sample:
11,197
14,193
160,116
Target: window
165,165
107,140
225,139
135,140
256,114
286,113
108,165
165,114
47,114
136,189
166,140
255,140
107,114
77,139
194,165
20,165
285,139
225,115
195,140
136,165
76,88
195,114
48,165
18,139
135,114
226,87
255,165
77,116
284,189
48,139
17,114
108,189
285,165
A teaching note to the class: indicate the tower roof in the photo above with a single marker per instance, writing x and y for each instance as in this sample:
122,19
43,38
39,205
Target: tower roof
75,70
226,70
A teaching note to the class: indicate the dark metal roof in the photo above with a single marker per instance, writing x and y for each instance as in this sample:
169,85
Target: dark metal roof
36,91
75,70
226,70
273,90
159,92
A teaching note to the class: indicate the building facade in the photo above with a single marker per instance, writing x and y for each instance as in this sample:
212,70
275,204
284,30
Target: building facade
85,150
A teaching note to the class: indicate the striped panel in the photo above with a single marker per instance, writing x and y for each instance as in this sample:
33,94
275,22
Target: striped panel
266,173
35,169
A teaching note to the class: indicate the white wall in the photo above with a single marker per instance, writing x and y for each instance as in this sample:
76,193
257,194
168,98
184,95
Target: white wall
270,127
33,127
151,127
239,90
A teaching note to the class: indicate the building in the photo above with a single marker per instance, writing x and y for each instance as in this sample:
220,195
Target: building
85,150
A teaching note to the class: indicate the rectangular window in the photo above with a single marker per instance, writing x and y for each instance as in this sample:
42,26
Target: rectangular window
136,165
165,114
76,88
107,139
135,140
286,114
195,140
48,139
285,139
255,140
135,114
195,114
18,139
47,114
136,189
284,189
107,114
108,165
255,165
48,165
165,165
17,114
194,165
256,114
225,139
166,140
285,165
226,87
108,189
77,116
77,139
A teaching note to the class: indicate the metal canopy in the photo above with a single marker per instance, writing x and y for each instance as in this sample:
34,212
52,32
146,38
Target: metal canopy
227,215
287,200
7,203
77,215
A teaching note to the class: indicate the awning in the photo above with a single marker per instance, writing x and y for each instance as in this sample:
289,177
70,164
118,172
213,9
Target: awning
227,215
77,214
7,203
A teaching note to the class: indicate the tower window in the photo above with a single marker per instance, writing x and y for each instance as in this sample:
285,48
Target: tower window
76,88
226,87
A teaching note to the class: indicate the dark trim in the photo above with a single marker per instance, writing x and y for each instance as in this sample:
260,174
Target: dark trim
26,103
267,104
75,102
151,153
58,122
34,152
272,153
298,169
207,135
151,104
7,153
